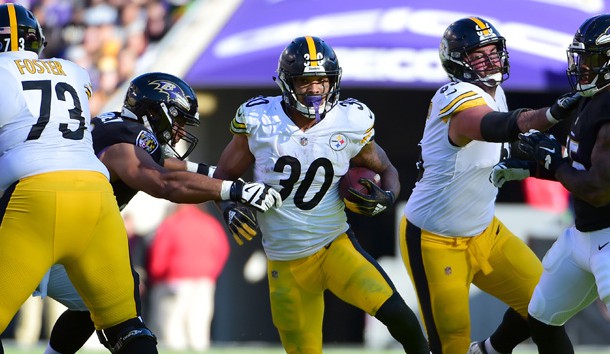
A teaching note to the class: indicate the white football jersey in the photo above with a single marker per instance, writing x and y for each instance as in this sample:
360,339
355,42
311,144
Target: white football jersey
454,197
44,117
305,166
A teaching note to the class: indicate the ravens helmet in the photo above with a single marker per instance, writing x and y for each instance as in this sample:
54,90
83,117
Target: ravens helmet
461,38
19,30
165,104
309,56
589,56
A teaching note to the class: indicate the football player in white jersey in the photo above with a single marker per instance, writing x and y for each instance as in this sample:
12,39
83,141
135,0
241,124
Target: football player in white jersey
58,205
301,143
449,236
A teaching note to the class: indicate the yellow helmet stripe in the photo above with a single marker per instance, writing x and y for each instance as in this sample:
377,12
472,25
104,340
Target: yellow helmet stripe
481,25
313,53
12,19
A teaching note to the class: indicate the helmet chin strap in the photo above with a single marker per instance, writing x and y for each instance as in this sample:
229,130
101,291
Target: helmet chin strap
314,101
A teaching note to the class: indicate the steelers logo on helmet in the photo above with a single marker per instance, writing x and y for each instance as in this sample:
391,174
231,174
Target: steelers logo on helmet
465,36
309,56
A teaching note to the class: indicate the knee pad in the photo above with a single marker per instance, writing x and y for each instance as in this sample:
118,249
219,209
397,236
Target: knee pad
117,337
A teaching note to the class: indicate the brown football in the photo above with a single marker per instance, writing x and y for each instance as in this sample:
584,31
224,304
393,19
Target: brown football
351,178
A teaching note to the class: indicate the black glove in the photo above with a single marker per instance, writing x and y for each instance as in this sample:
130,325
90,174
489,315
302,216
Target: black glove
242,222
258,195
512,170
563,107
543,148
369,204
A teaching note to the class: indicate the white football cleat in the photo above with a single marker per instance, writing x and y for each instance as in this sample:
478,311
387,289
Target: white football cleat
477,348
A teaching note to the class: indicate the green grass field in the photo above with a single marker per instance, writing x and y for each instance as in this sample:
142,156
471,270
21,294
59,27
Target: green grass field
258,349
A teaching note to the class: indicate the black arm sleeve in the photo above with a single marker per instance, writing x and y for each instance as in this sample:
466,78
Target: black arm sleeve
499,127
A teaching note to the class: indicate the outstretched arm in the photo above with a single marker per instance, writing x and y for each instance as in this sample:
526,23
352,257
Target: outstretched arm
482,123
136,168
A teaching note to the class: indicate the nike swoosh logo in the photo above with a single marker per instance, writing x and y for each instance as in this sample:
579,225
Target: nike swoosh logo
599,248
552,151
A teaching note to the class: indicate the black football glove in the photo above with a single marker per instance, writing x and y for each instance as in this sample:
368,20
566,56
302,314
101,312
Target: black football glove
242,222
543,148
512,170
369,204
257,195
563,107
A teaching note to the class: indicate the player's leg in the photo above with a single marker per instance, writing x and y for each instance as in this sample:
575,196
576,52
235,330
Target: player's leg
356,278
441,273
516,271
74,326
565,288
27,213
297,303
600,263
97,262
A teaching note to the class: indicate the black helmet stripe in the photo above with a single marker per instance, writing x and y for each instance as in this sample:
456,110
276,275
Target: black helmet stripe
12,17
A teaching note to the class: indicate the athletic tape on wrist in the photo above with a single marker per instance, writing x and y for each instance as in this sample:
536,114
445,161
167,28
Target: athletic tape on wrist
225,190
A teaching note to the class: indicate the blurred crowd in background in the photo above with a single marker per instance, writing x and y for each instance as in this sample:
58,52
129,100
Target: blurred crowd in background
109,38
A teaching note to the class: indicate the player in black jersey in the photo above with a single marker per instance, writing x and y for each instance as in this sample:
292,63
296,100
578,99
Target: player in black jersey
577,267
137,145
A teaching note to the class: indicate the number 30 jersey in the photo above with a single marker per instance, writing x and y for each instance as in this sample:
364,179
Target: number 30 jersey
305,167
44,117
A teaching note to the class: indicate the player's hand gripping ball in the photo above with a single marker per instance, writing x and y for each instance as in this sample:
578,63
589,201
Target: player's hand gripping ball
361,191
352,180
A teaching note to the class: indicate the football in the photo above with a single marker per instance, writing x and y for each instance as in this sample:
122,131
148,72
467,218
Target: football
351,178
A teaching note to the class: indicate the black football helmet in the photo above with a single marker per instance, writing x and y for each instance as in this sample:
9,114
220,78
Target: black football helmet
165,104
589,56
462,37
309,56
19,30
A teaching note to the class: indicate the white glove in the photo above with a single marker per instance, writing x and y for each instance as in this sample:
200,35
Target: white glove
257,195
511,170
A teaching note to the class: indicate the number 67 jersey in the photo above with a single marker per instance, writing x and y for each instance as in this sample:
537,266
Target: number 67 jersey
305,167
44,117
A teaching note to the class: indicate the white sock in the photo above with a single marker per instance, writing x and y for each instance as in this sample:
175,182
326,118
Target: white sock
50,350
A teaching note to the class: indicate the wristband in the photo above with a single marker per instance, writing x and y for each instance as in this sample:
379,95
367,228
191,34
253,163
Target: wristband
550,117
225,190
192,166
200,168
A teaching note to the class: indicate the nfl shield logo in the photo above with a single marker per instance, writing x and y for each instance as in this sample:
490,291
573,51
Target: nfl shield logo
304,141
